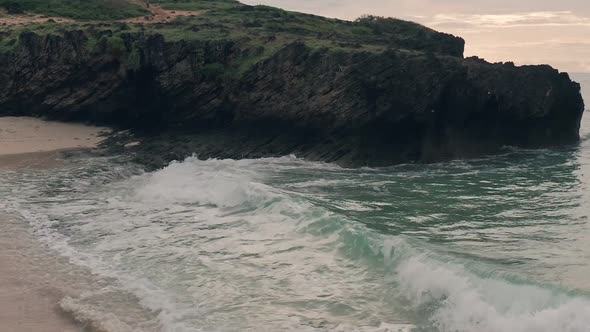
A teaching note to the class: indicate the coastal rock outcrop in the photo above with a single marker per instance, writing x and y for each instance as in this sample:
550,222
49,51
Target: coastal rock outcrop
347,105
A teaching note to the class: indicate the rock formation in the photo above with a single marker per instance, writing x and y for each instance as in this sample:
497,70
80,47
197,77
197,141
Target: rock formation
413,100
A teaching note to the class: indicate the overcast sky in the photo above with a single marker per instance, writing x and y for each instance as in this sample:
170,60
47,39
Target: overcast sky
556,32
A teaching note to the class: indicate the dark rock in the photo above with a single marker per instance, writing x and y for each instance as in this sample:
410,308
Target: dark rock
352,107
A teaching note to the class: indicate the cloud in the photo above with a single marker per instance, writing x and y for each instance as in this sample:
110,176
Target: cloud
512,20
535,37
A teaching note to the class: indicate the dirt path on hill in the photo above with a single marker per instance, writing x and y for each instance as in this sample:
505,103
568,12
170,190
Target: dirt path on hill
26,19
159,15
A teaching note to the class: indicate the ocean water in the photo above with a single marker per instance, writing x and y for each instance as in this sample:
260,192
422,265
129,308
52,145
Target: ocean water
499,243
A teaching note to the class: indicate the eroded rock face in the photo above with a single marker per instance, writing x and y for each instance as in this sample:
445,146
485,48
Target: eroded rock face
349,106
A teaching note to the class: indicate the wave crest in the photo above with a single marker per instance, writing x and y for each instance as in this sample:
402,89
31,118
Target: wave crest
221,183
456,300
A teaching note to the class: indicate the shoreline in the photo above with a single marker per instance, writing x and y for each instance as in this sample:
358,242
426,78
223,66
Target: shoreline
22,135
29,294
43,160
35,280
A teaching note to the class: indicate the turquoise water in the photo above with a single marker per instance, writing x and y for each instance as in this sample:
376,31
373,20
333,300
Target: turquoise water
494,244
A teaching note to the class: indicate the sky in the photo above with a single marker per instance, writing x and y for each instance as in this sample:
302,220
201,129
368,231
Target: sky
555,32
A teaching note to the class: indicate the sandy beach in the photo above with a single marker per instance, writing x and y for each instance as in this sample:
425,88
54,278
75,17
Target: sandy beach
20,135
32,142
29,293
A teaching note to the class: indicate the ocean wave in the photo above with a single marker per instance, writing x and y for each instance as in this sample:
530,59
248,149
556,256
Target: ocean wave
221,183
456,300
217,245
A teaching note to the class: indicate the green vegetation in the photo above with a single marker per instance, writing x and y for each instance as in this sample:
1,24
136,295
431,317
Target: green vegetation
116,46
197,4
13,7
258,31
77,9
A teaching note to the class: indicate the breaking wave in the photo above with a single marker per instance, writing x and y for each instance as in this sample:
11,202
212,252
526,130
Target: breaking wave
225,245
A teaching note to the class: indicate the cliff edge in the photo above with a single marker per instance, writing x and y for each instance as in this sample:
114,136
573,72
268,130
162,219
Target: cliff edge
243,82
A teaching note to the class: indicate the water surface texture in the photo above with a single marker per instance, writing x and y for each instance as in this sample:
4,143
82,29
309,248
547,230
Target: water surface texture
494,244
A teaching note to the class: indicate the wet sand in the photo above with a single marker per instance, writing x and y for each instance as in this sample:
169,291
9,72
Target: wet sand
29,300
42,291
49,159
30,295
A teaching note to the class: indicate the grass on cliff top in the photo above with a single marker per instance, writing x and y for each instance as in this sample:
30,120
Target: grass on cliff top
230,19
261,30
197,4
76,9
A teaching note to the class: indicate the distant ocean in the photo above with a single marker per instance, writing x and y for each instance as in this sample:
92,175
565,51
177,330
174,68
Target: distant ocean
496,244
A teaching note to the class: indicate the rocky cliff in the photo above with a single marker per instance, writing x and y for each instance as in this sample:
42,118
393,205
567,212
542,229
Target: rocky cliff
406,99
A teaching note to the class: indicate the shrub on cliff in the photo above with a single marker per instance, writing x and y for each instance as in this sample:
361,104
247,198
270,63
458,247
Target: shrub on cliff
412,35
13,7
381,25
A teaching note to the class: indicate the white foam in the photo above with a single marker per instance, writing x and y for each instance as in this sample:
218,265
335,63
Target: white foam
223,183
463,302
93,318
210,243
242,240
